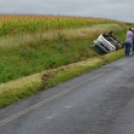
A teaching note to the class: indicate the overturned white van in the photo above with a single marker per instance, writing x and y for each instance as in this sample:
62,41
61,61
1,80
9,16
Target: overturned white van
107,43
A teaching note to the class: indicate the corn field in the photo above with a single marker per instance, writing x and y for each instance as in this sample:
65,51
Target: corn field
13,24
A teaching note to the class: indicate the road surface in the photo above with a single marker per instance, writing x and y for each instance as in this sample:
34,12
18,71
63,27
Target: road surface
97,102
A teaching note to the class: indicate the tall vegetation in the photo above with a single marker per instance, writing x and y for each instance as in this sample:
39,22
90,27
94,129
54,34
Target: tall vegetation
12,24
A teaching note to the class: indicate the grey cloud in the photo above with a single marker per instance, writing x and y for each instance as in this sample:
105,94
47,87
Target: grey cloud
113,9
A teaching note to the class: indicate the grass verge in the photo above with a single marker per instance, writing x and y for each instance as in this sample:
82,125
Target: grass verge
23,87
24,55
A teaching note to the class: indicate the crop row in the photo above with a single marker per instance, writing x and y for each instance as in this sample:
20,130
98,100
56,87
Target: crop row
12,24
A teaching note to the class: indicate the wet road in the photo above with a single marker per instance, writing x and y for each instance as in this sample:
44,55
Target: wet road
98,102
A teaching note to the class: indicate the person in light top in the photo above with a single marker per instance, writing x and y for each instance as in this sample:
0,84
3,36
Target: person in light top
129,41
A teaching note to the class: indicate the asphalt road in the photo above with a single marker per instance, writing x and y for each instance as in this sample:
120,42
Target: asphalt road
98,102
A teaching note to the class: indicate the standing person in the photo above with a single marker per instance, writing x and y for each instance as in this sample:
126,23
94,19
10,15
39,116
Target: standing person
133,41
129,41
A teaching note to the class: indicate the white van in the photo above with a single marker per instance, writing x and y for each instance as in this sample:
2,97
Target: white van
107,43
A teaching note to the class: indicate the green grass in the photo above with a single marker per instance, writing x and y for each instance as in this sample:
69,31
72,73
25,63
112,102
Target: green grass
10,96
32,58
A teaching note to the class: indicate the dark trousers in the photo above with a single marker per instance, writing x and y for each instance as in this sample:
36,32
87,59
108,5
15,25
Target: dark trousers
127,48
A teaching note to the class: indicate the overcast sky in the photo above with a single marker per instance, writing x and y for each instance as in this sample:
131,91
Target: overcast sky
112,9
